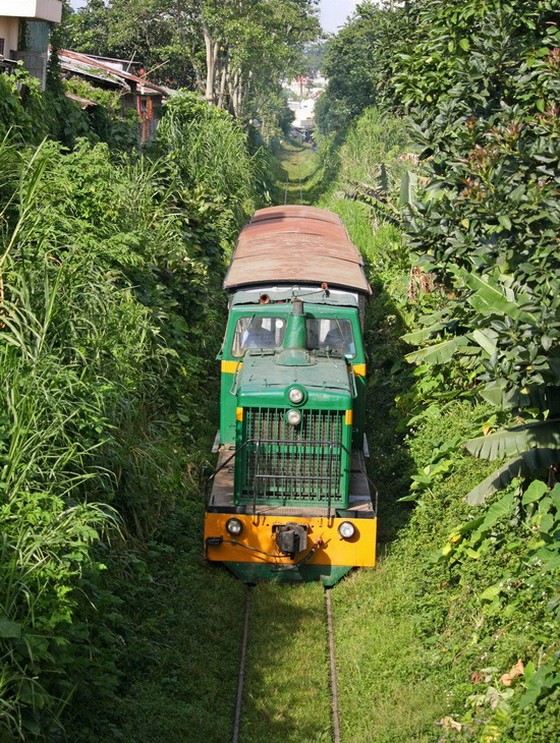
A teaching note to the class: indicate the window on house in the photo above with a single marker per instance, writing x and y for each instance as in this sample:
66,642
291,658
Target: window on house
2,41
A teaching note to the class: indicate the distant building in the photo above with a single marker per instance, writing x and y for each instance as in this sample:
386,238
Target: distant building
135,91
25,32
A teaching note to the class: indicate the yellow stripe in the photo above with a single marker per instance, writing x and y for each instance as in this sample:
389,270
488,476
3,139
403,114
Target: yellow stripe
348,418
239,414
230,367
359,370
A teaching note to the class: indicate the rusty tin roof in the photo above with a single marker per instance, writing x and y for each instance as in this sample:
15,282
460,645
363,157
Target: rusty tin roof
296,244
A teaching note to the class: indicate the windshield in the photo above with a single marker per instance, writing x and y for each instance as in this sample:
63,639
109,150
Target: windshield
324,334
331,334
257,331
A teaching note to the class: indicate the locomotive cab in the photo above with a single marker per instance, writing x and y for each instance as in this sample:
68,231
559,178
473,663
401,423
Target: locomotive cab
290,498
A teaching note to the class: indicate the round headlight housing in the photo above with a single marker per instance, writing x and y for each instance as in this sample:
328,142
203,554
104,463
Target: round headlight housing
346,529
296,395
293,417
234,527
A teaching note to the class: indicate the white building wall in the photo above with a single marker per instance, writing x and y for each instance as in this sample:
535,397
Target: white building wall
9,28
40,10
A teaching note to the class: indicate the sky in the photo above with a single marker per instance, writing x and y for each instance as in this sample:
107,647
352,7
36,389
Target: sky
333,13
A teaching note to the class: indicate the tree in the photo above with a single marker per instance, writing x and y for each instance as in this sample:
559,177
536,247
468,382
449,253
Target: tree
481,82
358,64
250,45
230,50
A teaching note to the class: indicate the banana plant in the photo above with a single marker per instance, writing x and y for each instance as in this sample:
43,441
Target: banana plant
497,305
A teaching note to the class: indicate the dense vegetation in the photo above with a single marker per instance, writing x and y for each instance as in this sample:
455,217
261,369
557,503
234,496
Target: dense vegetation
111,314
470,593
109,276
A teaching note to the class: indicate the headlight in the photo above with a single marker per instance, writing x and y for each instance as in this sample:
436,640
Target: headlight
234,527
295,395
346,530
294,417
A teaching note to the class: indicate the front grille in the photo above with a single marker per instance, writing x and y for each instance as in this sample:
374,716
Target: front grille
286,463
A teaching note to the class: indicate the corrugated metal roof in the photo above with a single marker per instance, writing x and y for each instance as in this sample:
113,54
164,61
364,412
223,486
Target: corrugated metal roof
90,66
296,244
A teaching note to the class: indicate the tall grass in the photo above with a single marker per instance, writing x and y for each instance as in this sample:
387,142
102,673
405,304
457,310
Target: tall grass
211,151
47,528
106,329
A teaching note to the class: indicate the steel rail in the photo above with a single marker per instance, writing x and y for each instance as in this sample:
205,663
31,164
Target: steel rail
332,660
242,668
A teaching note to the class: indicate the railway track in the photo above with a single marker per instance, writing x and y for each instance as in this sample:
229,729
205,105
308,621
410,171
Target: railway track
244,680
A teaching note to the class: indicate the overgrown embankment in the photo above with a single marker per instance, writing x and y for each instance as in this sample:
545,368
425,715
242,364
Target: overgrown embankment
469,586
111,317
455,633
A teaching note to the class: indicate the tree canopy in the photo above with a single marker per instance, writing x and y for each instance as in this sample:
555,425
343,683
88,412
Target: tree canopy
229,50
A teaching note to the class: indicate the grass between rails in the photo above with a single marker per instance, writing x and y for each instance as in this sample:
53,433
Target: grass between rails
288,677
299,175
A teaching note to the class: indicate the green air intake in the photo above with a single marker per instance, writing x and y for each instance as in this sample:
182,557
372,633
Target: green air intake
296,333
294,351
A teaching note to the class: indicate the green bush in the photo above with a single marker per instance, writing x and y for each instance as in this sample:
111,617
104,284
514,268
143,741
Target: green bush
108,321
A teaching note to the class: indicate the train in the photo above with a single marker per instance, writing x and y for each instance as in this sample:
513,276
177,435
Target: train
290,499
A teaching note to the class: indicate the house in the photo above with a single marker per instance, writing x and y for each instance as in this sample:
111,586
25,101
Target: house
136,92
25,31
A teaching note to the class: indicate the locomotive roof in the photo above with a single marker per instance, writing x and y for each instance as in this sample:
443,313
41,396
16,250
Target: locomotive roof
294,244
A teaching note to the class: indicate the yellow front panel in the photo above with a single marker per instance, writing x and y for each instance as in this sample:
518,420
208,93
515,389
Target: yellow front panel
258,534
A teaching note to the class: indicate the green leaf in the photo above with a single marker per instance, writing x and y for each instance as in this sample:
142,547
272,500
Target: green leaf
490,296
491,592
486,340
550,559
439,353
547,523
497,511
410,498
498,394
464,44
555,496
535,459
505,221
513,441
418,336
534,492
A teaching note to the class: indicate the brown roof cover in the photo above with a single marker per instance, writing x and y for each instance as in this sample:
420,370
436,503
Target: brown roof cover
296,245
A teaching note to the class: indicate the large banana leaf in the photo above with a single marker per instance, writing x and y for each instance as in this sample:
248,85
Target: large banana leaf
422,334
516,441
490,297
439,353
534,459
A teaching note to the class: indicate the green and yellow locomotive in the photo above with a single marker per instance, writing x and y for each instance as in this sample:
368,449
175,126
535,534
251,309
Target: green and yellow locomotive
291,500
